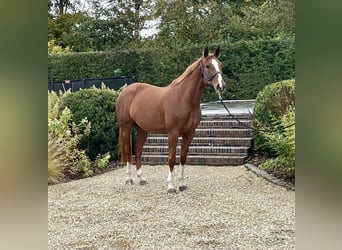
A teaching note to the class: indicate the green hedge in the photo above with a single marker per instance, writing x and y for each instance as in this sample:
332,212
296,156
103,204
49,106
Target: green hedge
247,65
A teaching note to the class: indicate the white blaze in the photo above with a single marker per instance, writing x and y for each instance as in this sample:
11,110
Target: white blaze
219,76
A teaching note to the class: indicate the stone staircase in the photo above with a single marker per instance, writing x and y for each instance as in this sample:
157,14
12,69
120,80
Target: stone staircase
220,140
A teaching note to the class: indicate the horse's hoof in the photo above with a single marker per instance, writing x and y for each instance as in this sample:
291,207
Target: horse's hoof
182,188
129,182
171,191
143,182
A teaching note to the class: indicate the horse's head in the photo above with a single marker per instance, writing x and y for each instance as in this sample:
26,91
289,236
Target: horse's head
211,69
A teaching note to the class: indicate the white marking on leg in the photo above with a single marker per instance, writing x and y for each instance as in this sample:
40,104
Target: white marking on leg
128,173
139,172
219,76
170,185
182,185
140,176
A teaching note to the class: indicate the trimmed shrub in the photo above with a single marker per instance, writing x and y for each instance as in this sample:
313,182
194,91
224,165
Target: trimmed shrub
270,105
98,106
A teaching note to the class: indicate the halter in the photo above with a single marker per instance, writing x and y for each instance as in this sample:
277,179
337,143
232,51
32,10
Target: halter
210,78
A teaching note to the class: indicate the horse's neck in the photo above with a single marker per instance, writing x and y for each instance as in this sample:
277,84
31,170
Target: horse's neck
193,87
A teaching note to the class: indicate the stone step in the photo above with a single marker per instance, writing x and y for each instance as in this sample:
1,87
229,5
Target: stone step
238,116
223,132
215,132
198,150
204,141
220,139
224,124
196,160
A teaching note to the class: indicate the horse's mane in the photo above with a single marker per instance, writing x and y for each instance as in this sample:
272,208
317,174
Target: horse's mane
187,72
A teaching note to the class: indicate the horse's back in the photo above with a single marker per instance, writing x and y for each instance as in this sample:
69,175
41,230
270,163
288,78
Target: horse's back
136,90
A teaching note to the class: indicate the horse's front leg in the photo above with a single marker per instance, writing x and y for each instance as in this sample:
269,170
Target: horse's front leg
186,140
172,141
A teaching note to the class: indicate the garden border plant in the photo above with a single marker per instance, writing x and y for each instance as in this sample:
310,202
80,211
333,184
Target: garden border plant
66,158
274,118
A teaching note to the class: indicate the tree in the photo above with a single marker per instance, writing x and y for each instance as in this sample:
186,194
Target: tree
103,25
195,21
59,7
94,25
130,16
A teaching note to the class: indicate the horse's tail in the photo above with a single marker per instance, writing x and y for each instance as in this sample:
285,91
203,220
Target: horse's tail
121,146
125,146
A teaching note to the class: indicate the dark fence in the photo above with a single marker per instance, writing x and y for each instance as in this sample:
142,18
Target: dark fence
75,85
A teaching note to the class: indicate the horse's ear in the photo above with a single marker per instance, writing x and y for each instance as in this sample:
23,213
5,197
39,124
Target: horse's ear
206,52
217,52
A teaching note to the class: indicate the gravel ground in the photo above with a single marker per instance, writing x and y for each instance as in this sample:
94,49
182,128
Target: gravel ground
223,208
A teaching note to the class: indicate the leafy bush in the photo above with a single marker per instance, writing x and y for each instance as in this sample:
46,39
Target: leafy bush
56,49
69,133
270,105
274,120
98,105
284,145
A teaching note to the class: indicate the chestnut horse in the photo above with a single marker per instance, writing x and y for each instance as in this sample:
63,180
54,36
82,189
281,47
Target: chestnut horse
173,110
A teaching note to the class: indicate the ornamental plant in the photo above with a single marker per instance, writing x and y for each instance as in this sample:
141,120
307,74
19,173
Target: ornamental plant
274,120
66,158
270,105
283,144
61,127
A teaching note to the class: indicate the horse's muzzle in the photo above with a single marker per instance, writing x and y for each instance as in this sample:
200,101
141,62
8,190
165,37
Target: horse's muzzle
221,87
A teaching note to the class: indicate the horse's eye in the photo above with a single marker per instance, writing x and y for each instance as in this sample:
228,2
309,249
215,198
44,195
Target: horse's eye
207,66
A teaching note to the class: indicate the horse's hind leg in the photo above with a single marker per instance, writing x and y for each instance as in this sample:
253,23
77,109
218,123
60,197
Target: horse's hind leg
126,151
141,138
